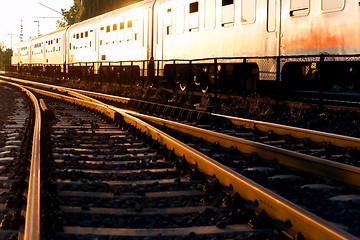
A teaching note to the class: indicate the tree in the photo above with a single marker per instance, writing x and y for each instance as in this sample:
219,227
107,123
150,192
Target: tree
5,56
94,8
85,9
71,16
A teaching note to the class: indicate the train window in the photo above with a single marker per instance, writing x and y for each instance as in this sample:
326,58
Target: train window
210,13
248,11
136,36
108,28
299,8
102,28
129,31
227,2
332,5
136,29
194,7
194,16
271,16
101,42
138,26
179,19
227,13
122,34
114,27
103,57
77,36
86,34
82,35
129,24
168,22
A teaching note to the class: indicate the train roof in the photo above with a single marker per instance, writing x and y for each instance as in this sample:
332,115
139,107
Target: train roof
99,18
49,34
27,41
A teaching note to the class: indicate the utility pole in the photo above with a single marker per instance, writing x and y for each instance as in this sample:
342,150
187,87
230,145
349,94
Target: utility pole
38,22
21,31
11,38
38,27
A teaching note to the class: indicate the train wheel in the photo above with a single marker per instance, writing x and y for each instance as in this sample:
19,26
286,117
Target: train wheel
197,83
204,87
183,86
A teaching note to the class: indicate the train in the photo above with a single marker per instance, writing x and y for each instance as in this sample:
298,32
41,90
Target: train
206,44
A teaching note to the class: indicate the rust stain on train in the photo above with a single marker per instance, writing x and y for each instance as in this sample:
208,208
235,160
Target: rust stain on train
323,38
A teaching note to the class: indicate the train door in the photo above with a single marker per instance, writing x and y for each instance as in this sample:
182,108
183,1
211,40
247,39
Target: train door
63,51
96,38
158,31
273,25
272,39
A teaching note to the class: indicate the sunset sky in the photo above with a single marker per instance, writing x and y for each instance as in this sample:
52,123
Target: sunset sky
13,11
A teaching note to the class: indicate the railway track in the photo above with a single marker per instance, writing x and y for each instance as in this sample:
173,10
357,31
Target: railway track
117,182
15,155
257,169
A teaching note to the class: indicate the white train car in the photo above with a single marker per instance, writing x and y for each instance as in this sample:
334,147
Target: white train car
221,29
81,42
120,35
37,53
233,43
324,26
327,27
216,29
55,47
124,34
21,53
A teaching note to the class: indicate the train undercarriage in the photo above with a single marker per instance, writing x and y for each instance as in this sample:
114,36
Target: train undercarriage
286,74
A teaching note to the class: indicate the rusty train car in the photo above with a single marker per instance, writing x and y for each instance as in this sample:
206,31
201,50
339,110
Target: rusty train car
233,44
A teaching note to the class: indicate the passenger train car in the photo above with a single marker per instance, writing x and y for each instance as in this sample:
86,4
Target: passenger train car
216,43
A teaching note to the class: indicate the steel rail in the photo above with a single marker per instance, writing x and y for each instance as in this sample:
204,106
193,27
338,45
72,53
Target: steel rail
316,136
311,226
341,172
95,105
65,89
32,220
